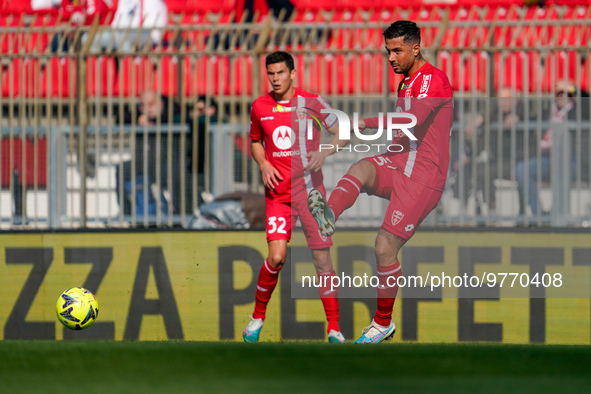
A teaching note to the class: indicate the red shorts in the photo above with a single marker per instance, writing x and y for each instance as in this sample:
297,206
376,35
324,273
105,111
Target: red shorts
282,218
410,202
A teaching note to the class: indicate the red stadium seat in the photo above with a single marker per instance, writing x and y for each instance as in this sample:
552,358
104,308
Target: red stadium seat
200,6
10,42
10,75
468,73
169,76
61,74
206,71
101,76
558,66
138,74
33,171
585,79
25,79
224,78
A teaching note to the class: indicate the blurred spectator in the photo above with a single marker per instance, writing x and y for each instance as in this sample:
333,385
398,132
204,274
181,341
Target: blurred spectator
151,109
479,158
205,109
151,15
562,110
75,12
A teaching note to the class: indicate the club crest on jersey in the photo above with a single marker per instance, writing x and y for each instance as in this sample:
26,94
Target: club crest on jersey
396,217
283,137
281,109
405,86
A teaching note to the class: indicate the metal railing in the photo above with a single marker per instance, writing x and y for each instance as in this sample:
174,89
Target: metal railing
63,83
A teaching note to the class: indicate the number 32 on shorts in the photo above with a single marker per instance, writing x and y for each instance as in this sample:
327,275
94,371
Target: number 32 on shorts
277,224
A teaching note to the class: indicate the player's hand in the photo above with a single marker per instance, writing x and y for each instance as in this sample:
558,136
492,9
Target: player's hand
360,124
315,161
271,177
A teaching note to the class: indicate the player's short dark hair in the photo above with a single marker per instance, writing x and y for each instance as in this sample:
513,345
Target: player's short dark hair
279,57
407,29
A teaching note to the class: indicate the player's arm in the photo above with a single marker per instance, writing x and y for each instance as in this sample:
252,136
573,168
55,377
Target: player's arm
316,158
271,176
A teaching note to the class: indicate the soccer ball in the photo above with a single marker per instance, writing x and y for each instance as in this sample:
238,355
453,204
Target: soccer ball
77,308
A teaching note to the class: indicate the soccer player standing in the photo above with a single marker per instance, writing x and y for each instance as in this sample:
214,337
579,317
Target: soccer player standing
412,180
291,165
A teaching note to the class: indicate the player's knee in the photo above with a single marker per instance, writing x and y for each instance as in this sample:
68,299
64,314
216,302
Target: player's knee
359,168
364,171
322,262
386,249
276,260
385,253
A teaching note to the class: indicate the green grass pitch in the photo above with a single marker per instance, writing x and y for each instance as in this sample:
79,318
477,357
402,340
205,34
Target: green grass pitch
298,367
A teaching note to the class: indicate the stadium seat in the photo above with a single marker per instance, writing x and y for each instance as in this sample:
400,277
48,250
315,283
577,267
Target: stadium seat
25,80
62,75
235,80
138,74
10,75
10,42
101,76
188,7
558,66
205,71
169,76
33,171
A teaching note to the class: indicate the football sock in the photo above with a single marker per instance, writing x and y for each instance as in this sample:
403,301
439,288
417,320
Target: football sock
330,299
344,194
387,294
268,277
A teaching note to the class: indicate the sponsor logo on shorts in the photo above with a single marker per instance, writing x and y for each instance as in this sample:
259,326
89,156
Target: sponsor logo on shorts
322,237
396,217
267,118
410,227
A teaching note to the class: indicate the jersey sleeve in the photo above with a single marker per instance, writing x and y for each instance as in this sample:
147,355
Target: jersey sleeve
330,119
256,131
430,94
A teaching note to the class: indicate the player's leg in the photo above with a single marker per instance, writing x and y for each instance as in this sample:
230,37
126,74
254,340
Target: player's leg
382,327
409,204
359,176
328,294
320,248
266,283
278,234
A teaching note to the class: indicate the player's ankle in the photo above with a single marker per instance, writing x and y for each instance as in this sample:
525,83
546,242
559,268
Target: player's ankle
383,321
333,325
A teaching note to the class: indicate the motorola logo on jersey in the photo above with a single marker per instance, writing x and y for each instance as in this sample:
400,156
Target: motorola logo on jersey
283,137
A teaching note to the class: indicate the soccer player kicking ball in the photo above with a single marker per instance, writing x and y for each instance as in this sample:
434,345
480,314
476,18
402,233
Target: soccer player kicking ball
289,174
412,180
